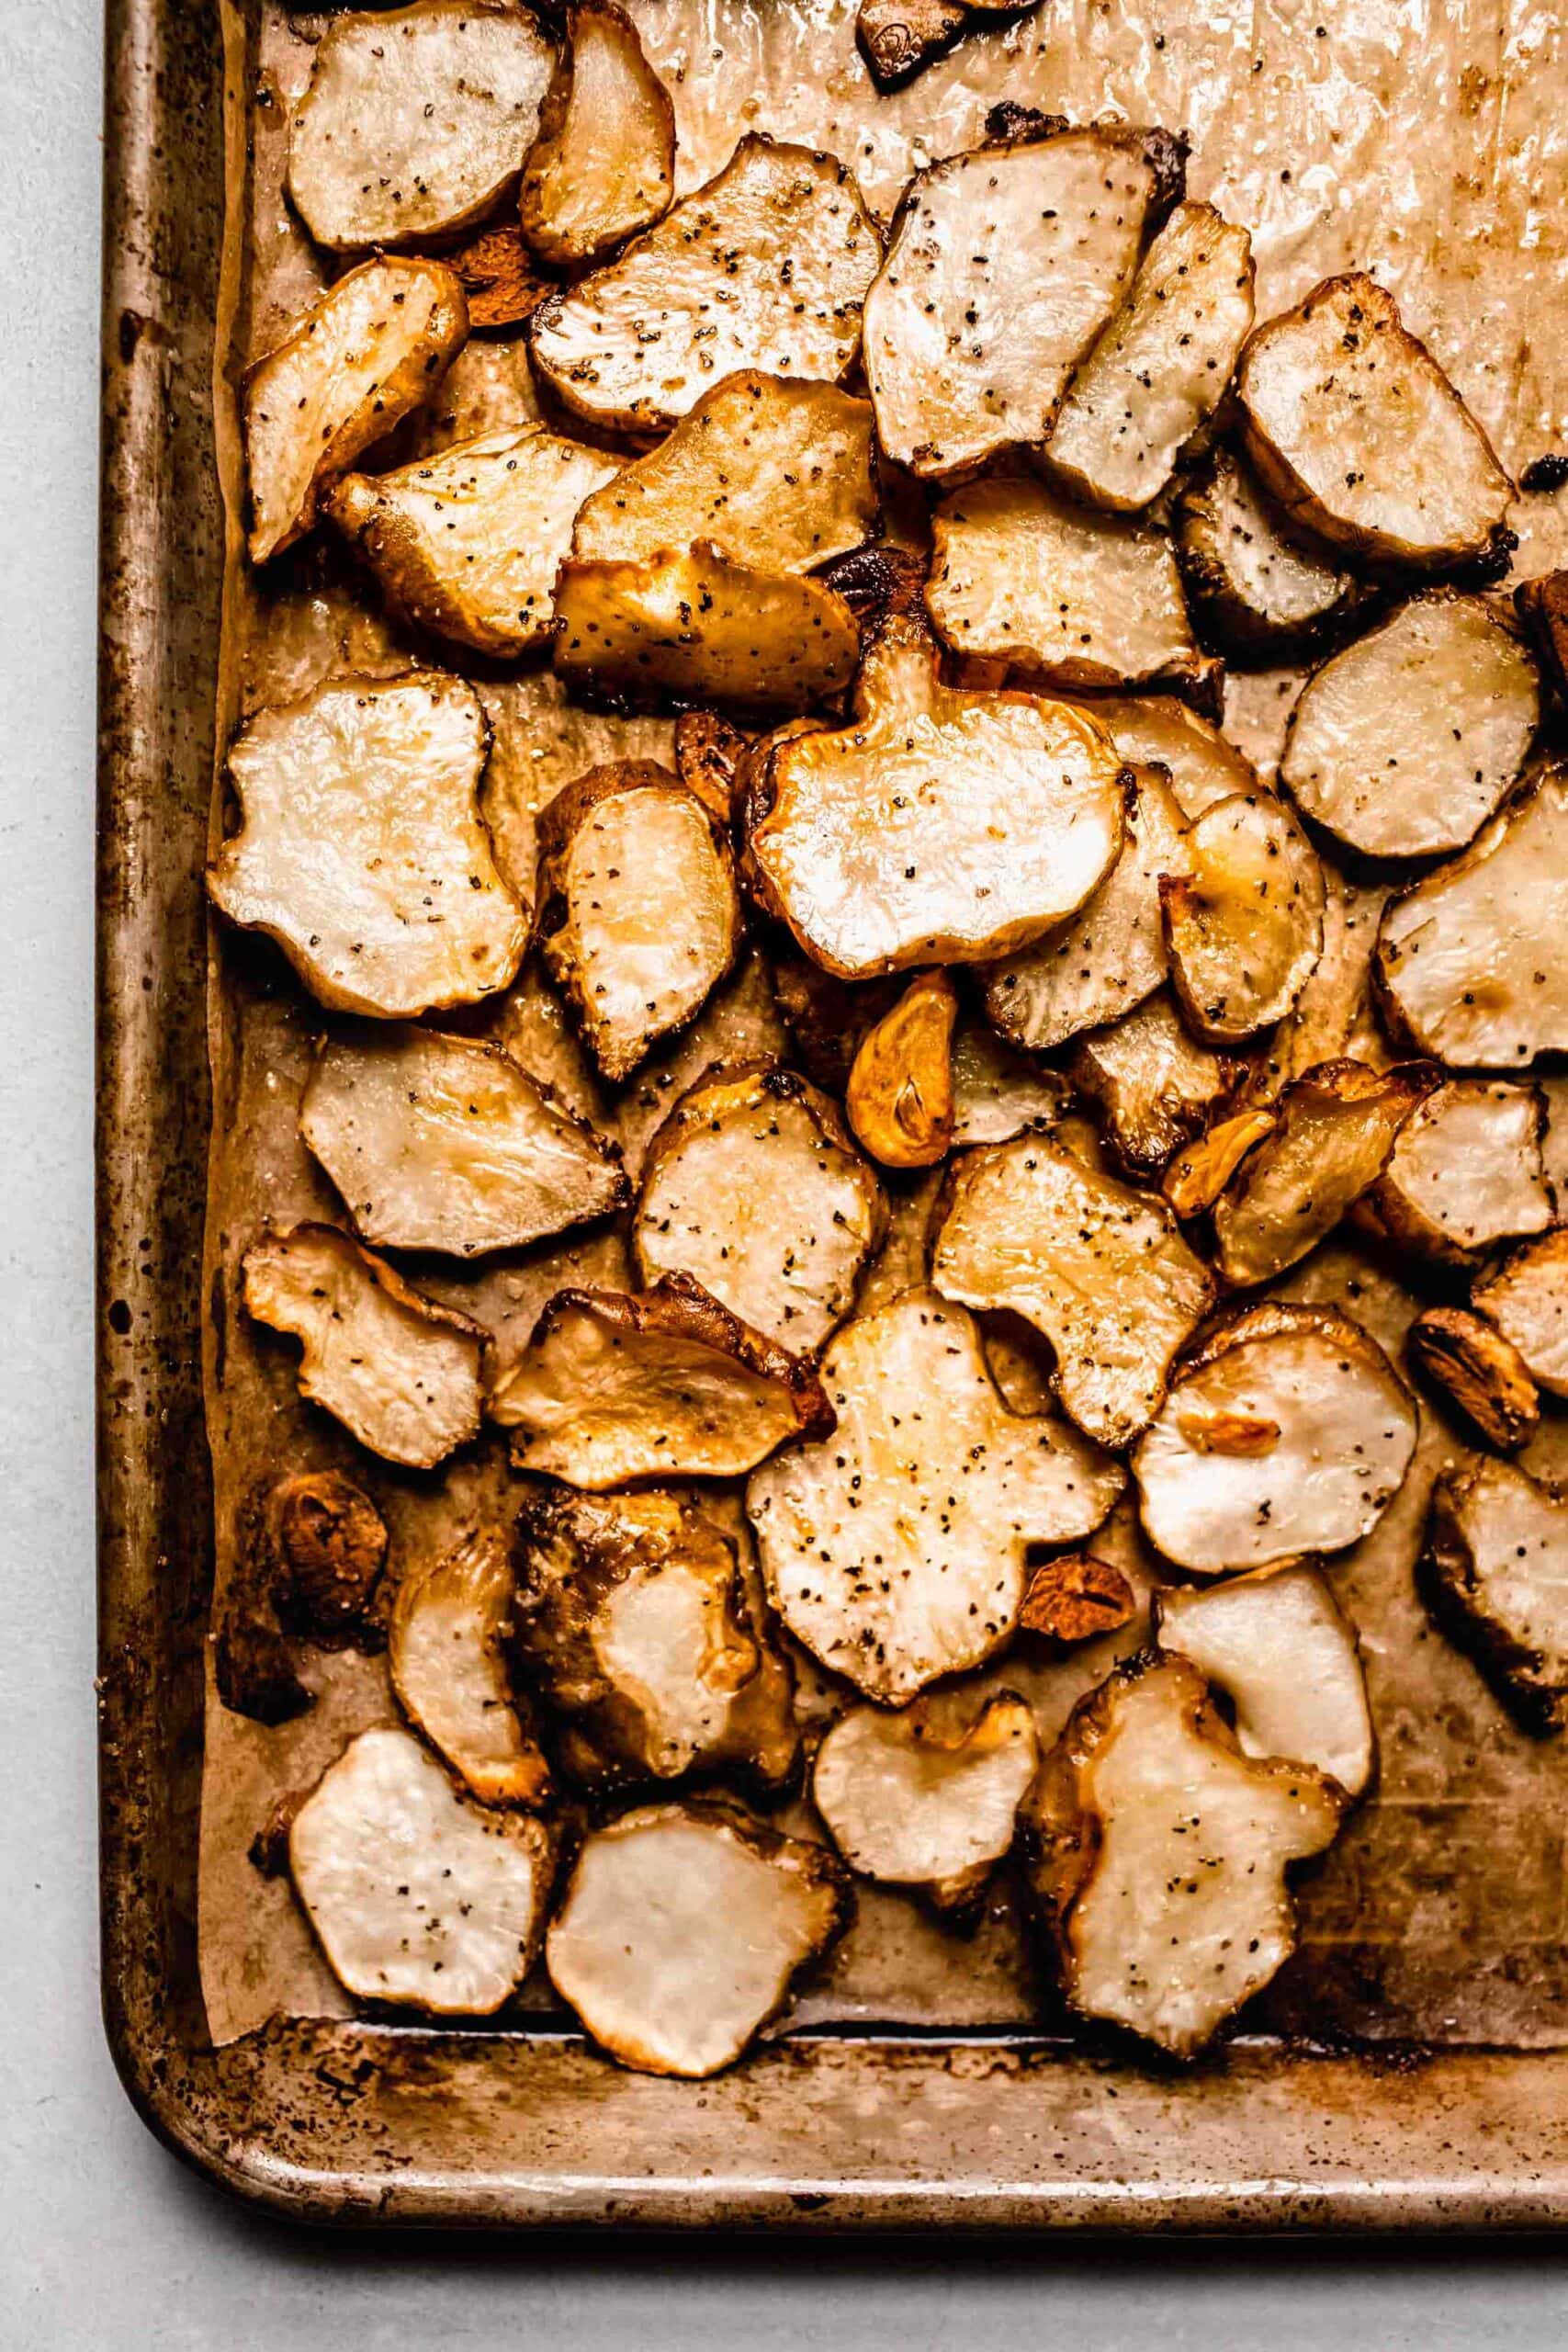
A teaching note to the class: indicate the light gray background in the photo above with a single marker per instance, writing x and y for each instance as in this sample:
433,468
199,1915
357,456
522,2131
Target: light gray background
105,2245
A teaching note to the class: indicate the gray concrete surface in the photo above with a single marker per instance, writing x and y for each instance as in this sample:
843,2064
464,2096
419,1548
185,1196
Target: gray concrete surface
106,2245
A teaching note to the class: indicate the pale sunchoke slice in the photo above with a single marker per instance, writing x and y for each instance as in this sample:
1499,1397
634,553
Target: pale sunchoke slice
633,1619
1288,1432
668,1385
445,1650
1407,741
1285,1655
899,1098
1356,430
640,917
1152,1084
604,163
420,1896
1110,955
1004,264
441,1143
373,348
894,1549
1161,367
1496,1568
683,1929
467,543
399,1373
917,1800
1244,925
1469,962
415,122
996,1092
1527,1298
1201,1170
1257,592
688,623
777,475
754,1186
1099,1269
1068,597
1156,730
1467,1170
766,266
361,850
1478,1372
1337,1124
941,826
1162,1854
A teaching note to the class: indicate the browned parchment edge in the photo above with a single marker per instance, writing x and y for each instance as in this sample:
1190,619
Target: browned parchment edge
346,2122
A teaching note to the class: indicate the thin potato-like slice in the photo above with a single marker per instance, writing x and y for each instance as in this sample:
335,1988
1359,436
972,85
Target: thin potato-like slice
766,266
683,1929
940,827
923,1801
1152,1084
399,1373
895,1548
1496,1570
1156,730
1285,1655
1162,1852
444,1647
1244,925
467,543
1405,743
996,1092
899,1099
777,475
441,1143
1336,1127
1479,1372
1356,430
1527,1298
372,349
1288,1432
1161,367
640,917
416,120
361,850
604,163
753,1186
1255,591
669,1385
1467,1170
1098,1267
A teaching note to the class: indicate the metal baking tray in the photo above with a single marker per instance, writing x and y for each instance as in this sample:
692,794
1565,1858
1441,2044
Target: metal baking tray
854,2122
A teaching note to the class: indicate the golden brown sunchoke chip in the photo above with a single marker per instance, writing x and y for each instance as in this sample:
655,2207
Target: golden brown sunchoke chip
899,1098
926,1799
446,1647
1076,1597
1256,590
1527,1298
1156,730
1467,1170
1336,1126
1244,925
1496,1570
1479,1372
1285,1655
604,163
1151,1084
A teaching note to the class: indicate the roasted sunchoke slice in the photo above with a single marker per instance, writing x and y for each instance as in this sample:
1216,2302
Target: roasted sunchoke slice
1337,1124
1004,264
1407,741
683,1929
446,1650
416,120
1467,1170
1161,1854
688,623
1469,962
828,1019
374,347
710,759
1076,1597
899,1099
1201,1170
753,1185
668,1385
1285,1655
894,1549
633,1620
1156,730
1478,1370
1161,367
419,1896
467,544
940,826
399,1373
1527,1298
1244,925
332,1543
361,850
1098,1268
639,918
1542,605
1258,592
777,475
898,39
1069,598
1495,1568
1287,1431
604,163
1356,430
996,1092
766,266
1151,1083
1110,955
440,1143
924,1799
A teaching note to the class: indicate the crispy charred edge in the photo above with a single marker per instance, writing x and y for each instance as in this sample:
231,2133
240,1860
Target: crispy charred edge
1145,1165
1075,1596
1478,1373
710,755
898,39
1391,1214
1342,1079
1225,619
827,1018
555,106
1270,1318
1444,1579
503,278
877,582
308,1566
1165,152
1542,606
